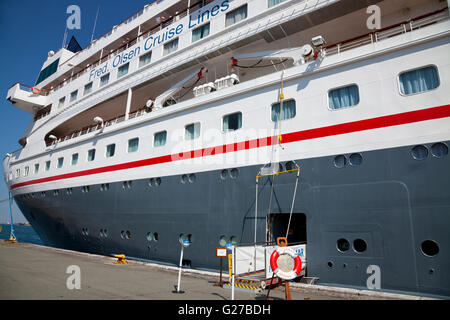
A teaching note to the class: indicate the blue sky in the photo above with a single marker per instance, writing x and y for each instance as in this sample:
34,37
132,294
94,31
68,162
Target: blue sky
28,31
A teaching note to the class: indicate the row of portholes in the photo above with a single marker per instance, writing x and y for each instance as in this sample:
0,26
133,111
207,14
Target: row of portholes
188,178
154,182
125,235
421,152
429,247
152,236
233,174
354,160
127,185
224,242
104,233
359,245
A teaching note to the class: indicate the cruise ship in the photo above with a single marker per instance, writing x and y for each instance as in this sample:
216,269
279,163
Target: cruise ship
158,130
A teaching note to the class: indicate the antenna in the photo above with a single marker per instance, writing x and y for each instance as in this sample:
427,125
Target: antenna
95,24
64,38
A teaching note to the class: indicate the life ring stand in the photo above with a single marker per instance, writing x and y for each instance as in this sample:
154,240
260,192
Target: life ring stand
35,91
284,250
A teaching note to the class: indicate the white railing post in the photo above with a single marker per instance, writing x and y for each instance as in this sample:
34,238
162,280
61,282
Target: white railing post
127,111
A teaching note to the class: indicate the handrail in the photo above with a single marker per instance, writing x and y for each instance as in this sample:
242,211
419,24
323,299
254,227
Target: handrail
21,85
387,28
96,127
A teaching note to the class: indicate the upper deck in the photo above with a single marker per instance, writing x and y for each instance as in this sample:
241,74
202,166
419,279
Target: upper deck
263,26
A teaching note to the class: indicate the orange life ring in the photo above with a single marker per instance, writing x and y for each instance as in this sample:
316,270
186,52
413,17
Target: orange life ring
35,90
283,274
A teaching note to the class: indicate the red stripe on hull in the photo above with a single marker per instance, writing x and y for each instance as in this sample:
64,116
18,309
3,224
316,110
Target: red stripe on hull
345,128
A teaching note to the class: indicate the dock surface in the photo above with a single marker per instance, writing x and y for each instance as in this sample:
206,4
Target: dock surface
31,272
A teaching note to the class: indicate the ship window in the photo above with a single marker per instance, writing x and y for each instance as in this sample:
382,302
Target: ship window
232,122
200,32
160,139
133,145
88,88
123,70
170,47
192,131
60,163
75,159
110,150
61,102
275,2
17,173
26,171
47,165
343,97
91,155
419,80
145,59
439,150
343,245
359,245
36,168
73,96
429,248
236,15
104,80
47,72
289,110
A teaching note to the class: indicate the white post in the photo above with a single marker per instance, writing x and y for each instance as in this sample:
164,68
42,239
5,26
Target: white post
232,273
179,273
127,112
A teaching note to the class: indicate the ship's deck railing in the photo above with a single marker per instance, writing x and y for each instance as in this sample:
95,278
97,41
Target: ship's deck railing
27,88
388,32
398,29
98,127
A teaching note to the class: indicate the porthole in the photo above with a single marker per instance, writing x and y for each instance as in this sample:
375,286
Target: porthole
224,174
190,238
128,235
359,245
439,150
192,178
234,174
343,245
356,159
330,264
156,236
290,166
340,162
151,182
184,179
429,248
419,152
158,181
149,236
234,240
222,241
122,234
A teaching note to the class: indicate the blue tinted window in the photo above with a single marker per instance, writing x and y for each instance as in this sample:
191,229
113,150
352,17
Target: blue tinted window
343,97
419,80
288,112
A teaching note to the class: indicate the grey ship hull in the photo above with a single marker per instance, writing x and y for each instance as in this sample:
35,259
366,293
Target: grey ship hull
391,201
